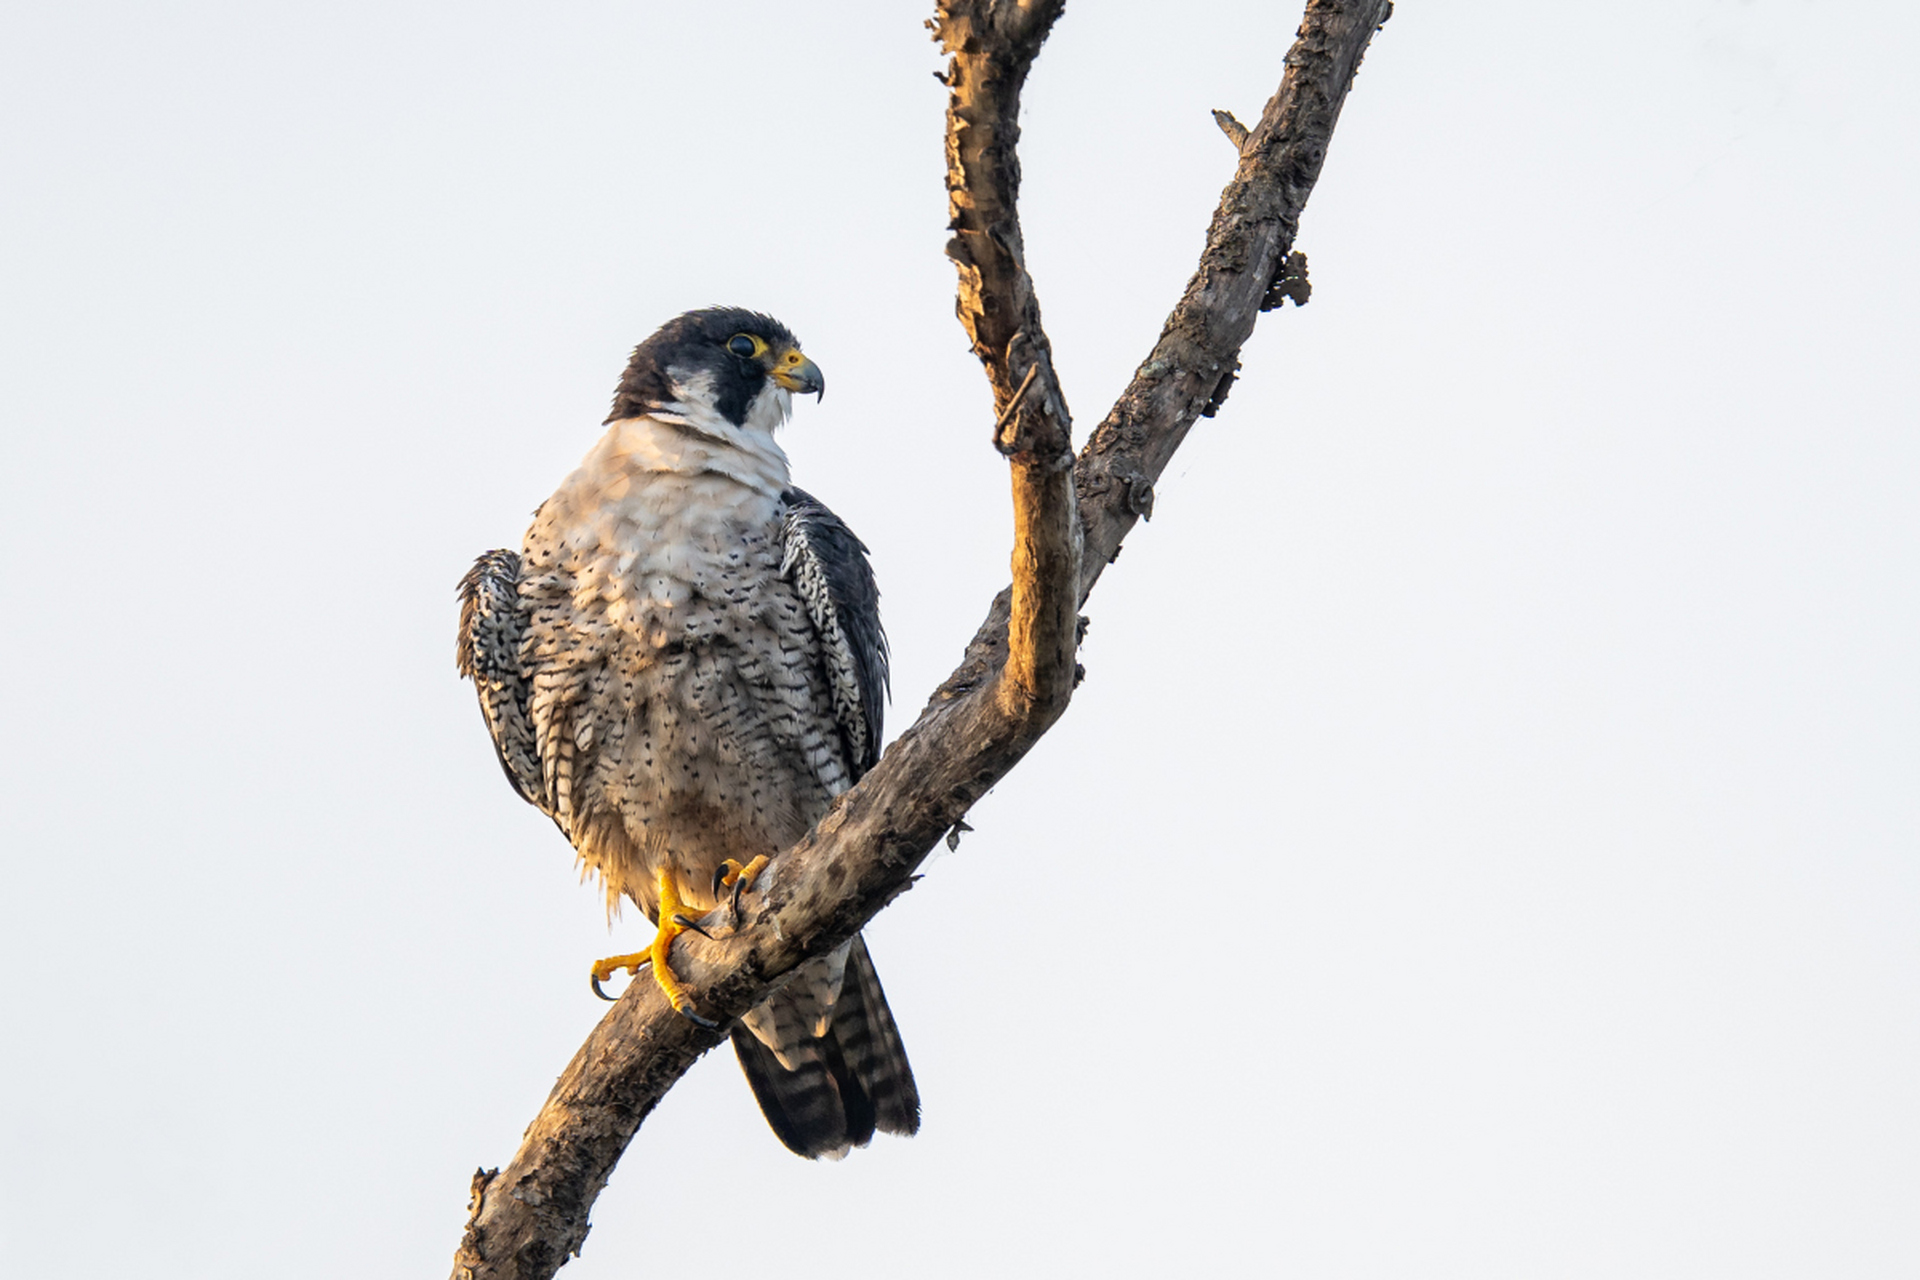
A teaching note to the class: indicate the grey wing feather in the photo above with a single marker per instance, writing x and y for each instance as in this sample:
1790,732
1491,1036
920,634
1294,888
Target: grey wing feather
493,625
828,565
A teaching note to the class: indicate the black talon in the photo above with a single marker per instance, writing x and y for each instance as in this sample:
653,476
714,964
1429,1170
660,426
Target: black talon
685,923
719,878
697,1020
595,979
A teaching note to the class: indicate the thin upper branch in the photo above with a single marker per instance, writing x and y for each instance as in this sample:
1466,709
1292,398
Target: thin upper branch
991,47
1191,367
529,1217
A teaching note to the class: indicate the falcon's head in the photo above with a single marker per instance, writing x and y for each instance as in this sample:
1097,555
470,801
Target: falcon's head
736,363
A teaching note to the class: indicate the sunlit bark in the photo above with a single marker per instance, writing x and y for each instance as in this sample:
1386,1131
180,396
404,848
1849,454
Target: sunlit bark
1018,673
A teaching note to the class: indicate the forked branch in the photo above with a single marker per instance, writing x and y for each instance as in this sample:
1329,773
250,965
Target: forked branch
1017,674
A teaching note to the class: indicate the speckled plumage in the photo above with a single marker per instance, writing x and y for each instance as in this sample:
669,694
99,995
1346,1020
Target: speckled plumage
684,664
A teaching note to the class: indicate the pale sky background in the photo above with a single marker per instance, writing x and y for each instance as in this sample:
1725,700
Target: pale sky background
1507,731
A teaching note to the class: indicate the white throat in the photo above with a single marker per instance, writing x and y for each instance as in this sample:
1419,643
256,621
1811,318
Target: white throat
690,437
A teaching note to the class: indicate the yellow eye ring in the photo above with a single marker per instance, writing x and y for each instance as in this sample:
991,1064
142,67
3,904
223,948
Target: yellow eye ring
745,345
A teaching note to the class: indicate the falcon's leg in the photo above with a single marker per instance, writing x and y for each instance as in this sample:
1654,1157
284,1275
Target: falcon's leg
673,922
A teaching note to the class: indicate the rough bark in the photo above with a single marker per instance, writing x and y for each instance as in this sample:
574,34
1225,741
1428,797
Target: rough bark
1018,672
1190,368
991,47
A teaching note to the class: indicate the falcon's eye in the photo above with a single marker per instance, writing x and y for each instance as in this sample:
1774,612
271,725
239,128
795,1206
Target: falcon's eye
742,345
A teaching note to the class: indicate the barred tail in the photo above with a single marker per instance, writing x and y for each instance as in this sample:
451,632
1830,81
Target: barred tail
829,1071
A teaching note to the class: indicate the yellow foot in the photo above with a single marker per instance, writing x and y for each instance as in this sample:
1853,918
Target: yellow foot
732,873
674,921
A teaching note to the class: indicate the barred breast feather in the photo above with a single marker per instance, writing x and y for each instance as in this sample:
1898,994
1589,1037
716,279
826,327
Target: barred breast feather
683,665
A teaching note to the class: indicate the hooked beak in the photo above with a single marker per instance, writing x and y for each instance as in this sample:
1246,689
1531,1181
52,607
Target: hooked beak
798,374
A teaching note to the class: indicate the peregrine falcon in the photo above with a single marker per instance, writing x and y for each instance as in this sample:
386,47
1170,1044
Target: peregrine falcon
682,667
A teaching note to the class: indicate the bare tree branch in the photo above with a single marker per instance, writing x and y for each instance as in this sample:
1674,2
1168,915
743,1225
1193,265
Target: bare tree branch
1191,367
1017,673
1231,126
992,45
